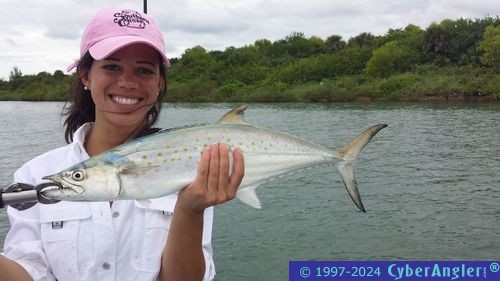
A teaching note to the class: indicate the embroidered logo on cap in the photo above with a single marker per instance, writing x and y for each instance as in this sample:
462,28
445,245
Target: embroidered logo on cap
129,18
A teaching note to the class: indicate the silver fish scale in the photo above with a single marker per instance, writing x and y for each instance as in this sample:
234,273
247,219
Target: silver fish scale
170,159
251,139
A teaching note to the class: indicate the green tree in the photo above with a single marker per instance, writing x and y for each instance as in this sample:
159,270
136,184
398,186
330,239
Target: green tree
240,56
436,44
411,35
58,75
194,63
455,42
16,78
464,36
391,58
334,44
316,45
362,39
490,47
262,45
349,61
277,54
15,73
4,85
300,47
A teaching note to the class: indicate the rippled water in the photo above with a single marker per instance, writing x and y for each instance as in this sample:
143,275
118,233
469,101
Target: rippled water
430,182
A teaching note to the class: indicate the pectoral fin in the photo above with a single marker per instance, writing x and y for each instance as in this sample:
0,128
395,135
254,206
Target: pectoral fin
135,170
247,195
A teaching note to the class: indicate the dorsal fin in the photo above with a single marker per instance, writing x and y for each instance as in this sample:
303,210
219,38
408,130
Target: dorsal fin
234,116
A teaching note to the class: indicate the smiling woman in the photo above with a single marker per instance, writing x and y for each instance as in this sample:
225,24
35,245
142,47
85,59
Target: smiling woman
124,88
117,92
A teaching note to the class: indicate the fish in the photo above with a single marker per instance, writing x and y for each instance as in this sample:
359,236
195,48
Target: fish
163,163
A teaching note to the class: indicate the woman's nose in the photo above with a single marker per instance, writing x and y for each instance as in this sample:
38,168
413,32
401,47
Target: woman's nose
128,80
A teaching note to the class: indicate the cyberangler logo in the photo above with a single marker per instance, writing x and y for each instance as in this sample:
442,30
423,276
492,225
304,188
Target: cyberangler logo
129,18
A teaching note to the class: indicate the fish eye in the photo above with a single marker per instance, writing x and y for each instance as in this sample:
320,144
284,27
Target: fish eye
78,175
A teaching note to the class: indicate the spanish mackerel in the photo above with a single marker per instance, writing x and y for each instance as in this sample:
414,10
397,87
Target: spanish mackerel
163,163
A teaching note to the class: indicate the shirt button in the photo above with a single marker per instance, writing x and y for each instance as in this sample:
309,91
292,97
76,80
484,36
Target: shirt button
106,265
116,214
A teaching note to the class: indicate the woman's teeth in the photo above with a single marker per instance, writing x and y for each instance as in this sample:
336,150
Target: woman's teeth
125,101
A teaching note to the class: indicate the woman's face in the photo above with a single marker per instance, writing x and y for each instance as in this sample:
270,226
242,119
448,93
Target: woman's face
124,86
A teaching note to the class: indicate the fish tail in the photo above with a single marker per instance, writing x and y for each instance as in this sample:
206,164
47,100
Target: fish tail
348,155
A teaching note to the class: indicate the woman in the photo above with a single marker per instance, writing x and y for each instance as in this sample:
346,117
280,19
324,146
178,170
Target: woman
118,94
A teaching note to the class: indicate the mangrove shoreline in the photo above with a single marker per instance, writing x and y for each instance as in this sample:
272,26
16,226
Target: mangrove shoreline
451,61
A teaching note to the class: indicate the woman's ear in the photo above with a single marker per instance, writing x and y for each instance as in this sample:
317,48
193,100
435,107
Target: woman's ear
84,77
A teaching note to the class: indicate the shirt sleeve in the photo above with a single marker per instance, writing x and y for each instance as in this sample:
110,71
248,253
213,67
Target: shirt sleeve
23,243
207,244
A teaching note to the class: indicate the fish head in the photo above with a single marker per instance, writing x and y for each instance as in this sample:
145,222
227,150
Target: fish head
84,182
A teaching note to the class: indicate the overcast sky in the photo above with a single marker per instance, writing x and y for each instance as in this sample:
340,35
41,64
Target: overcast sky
45,35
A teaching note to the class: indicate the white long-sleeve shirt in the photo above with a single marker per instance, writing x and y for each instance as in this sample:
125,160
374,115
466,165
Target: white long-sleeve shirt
91,240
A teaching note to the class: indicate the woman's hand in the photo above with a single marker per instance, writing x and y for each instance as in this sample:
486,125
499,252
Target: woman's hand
183,257
214,183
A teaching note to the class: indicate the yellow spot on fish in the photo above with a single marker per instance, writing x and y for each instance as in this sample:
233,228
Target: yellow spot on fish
175,151
228,140
190,157
160,154
144,157
179,159
253,143
150,164
168,146
185,149
172,159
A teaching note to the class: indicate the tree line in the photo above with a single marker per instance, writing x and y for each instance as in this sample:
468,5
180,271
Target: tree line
451,59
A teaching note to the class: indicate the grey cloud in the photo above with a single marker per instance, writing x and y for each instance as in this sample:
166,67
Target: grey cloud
11,42
217,24
199,18
207,26
66,32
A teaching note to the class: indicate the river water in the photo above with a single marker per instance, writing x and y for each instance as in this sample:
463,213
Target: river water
430,182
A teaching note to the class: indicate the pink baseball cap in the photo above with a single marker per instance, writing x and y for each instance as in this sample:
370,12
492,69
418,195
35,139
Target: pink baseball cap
112,29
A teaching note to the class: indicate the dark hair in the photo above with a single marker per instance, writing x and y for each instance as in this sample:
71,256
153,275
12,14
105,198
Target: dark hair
80,108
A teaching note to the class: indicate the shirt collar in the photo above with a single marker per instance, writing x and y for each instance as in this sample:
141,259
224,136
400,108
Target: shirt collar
80,135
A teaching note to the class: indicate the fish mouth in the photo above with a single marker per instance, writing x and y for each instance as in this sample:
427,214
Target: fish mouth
61,185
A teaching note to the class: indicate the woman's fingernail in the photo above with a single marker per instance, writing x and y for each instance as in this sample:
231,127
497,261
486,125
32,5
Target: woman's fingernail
205,149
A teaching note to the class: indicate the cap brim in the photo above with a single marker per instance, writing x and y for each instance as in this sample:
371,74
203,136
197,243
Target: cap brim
71,66
106,47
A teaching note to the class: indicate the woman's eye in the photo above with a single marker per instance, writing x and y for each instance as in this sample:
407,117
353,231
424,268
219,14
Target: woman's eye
145,71
112,67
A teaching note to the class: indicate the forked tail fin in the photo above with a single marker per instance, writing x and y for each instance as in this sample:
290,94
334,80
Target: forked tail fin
348,155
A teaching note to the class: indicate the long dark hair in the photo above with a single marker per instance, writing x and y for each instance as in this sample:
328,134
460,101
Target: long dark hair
80,108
